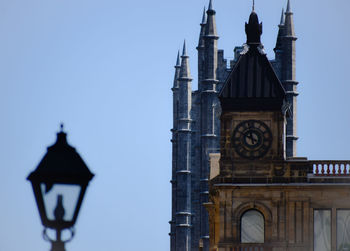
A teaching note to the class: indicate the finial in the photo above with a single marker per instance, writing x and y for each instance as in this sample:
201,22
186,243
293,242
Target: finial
61,136
253,29
184,51
253,5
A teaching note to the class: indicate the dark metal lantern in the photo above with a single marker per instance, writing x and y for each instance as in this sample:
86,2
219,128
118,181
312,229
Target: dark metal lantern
59,184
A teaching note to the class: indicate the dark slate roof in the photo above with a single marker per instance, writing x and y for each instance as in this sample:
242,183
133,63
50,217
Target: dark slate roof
252,83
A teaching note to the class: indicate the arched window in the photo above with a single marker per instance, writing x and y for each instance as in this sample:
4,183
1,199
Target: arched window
252,227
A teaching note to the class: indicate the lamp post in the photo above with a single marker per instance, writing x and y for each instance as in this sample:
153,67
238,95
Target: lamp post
59,183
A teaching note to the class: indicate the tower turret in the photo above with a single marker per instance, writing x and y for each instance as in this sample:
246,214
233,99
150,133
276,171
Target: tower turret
208,109
175,90
289,79
183,171
174,141
200,49
279,47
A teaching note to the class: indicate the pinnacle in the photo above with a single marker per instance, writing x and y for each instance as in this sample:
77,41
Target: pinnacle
204,18
289,10
210,5
288,23
210,27
178,58
184,51
282,17
185,69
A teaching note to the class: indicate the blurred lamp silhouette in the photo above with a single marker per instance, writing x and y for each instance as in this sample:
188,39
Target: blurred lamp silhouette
59,184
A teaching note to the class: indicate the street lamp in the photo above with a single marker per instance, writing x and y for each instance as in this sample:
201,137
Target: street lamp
59,184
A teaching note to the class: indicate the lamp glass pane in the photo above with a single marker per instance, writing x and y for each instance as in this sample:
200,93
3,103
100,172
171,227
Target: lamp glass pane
60,200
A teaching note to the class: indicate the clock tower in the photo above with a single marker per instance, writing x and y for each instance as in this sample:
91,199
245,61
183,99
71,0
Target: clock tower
254,112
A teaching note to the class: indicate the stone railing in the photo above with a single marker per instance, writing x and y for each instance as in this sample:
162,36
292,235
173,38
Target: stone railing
290,171
331,167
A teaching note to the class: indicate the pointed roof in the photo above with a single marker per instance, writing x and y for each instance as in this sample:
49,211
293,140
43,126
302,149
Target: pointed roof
177,71
178,59
185,68
279,40
252,84
210,27
289,9
202,32
204,17
282,17
210,7
289,22
184,50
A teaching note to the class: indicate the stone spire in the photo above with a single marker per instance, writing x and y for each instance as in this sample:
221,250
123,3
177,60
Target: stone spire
210,7
177,71
178,59
184,68
278,47
204,17
289,23
282,17
288,6
185,93
202,32
210,43
289,39
211,23
200,48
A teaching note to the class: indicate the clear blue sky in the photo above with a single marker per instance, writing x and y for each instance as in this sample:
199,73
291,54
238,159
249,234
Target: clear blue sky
105,69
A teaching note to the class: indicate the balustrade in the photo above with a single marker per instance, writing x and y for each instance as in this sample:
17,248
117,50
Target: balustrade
331,168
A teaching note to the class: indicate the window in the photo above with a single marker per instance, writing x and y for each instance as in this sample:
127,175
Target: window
252,227
322,230
343,230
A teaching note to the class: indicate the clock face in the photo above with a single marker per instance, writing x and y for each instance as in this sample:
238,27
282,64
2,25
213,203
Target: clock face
251,139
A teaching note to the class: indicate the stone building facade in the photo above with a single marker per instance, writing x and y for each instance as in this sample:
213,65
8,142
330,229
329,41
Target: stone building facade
261,196
199,136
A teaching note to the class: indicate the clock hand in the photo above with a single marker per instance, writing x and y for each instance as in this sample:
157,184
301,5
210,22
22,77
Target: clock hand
251,137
